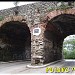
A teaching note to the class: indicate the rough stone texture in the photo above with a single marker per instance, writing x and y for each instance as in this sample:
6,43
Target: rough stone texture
54,36
29,10
27,45
44,48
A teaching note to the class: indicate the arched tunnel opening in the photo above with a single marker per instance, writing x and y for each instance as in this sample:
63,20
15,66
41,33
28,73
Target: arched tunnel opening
15,41
69,47
57,29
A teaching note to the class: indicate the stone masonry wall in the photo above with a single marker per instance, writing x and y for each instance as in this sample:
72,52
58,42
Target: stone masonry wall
34,13
52,46
29,10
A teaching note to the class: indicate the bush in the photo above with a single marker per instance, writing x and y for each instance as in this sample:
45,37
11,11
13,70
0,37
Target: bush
69,54
1,18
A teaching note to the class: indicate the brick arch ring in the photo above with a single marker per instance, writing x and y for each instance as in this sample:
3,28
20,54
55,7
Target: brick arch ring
14,18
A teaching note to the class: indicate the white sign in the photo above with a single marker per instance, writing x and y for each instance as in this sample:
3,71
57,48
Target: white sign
36,31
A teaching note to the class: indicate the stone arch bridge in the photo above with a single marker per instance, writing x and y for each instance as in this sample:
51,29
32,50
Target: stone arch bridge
40,41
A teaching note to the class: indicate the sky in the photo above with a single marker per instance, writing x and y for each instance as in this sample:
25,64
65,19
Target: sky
10,4
69,37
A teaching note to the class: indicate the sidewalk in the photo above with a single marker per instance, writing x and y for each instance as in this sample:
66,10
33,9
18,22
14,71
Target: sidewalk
40,66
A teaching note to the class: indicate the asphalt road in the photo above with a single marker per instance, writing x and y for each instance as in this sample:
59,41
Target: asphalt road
62,67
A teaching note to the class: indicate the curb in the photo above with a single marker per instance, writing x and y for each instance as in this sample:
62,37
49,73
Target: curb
10,62
41,66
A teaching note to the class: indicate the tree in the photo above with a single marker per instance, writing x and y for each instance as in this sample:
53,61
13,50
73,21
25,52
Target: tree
16,3
69,48
16,7
70,43
70,3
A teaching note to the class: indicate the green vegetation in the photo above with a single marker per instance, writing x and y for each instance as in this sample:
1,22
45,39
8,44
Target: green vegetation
1,18
69,55
51,9
16,3
69,49
61,7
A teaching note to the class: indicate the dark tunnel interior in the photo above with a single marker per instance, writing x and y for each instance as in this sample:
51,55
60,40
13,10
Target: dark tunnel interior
65,23
15,41
57,29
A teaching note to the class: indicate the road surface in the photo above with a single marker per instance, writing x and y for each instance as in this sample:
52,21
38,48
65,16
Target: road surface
20,68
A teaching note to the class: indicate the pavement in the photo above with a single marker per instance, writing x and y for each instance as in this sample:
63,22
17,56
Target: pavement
64,67
42,65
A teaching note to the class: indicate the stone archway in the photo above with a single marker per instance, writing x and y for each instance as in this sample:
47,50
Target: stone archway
57,27
16,39
52,36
